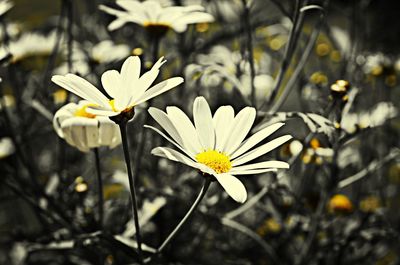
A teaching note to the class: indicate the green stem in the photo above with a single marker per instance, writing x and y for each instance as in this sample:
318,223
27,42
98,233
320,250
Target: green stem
122,127
99,187
203,191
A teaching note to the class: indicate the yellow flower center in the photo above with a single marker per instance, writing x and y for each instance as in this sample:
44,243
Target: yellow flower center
81,112
219,162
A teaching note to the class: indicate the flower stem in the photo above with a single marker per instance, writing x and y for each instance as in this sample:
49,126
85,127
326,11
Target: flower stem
99,187
249,46
122,127
203,191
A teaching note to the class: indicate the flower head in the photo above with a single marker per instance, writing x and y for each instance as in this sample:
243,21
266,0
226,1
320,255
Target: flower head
216,145
84,130
151,15
126,88
340,203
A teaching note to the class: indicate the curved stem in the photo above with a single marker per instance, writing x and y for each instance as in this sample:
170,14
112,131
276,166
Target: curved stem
203,191
122,127
99,187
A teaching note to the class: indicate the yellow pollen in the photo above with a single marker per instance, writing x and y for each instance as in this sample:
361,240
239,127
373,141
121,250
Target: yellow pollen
81,112
156,24
219,162
112,104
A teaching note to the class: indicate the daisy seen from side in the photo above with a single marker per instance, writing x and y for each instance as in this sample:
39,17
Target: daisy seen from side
216,145
126,88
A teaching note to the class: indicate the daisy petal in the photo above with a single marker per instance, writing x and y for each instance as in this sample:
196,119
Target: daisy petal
256,138
111,81
185,128
169,140
101,112
81,88
263,149
160,88
203,121
240,128
173,155
162,118
254,171
223,120
261,165
233,186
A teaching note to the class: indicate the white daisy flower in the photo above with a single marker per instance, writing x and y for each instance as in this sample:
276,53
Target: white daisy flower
84,130
29,44
216,144
126,88
151,14
101,52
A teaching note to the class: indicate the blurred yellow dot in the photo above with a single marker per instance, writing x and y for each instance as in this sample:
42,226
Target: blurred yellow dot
377,70
109,260
60,96
307,158
112,190
340,203
323,49
137,51
370,204
319,160
391,80
81,187
148,64
269,226
314,143
276,43
79,179
394,173
202,27
335,56
319,78
337,125
8,101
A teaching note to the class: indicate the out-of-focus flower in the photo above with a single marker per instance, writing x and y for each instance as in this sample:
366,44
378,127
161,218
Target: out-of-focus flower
6,147
316,153
5,5
100,52
84,130
29,44
215,144
340,203
222,64
127,88
382,112
340,89
375,64
151,15
370,204
60,96
270,226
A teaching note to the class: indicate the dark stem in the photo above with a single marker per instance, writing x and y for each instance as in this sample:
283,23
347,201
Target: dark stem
99,187
290,46
203,191
125,145
70,16
249,46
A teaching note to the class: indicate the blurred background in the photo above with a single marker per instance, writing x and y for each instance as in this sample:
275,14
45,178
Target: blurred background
329,69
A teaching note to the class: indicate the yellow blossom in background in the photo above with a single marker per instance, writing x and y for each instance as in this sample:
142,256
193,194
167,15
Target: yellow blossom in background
340,203
370,204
